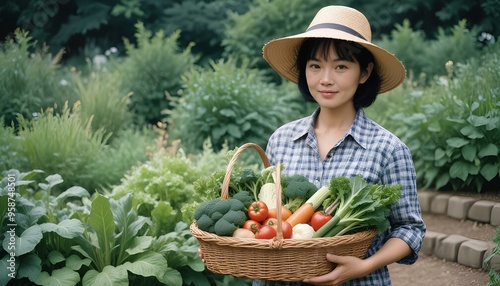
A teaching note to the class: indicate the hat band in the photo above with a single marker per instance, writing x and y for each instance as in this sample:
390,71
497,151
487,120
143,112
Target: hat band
336,27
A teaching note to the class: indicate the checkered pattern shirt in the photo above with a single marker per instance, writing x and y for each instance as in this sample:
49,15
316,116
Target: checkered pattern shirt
366,149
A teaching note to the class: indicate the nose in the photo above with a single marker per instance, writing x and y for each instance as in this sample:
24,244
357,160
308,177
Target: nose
326,77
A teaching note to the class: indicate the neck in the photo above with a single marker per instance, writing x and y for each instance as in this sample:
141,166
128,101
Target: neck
335,119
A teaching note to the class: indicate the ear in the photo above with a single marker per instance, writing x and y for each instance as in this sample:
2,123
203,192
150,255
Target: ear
365,74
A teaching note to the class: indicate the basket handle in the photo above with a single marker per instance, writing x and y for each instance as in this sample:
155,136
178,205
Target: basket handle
232,162
265,162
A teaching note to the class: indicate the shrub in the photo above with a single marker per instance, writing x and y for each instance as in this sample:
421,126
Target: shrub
428,56
11,156
128,149
63,144
29,81
228,104
450,126
246,33
151,71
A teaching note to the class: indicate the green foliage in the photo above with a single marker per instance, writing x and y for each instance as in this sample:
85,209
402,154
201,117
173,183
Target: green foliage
103,102
227,104
128,148
62,143
246,33
201,23
10,152
115,242
450,126
89,16
494,275
151,71
43,228
423,57
162,188
29,81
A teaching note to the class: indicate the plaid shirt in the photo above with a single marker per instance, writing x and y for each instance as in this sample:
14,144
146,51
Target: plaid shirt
366,149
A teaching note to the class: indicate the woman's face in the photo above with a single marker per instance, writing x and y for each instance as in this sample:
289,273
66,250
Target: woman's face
332,82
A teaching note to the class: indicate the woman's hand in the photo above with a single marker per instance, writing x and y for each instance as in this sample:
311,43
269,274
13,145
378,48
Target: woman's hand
348,268
201,254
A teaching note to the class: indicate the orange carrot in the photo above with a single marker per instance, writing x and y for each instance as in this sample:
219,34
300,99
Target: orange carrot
302,215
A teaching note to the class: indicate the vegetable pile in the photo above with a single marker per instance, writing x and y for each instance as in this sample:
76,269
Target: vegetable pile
345,206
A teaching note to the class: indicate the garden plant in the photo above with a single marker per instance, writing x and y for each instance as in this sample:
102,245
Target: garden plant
112,115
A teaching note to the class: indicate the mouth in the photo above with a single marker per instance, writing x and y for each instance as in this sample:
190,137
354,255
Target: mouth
327,93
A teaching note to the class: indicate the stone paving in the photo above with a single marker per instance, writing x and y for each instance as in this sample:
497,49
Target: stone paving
458,248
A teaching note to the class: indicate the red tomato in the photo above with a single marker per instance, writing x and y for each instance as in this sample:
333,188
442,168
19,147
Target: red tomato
265,232
258,211
285,213
286,227
319,219
252,225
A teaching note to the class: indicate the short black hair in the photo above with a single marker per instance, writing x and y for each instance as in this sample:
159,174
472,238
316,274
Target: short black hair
350,51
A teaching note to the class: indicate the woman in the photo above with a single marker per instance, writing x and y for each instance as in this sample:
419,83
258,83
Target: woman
335,64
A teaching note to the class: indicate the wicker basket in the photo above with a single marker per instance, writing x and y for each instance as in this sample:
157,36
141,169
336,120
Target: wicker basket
275,259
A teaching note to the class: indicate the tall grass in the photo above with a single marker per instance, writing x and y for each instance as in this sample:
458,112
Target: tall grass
62,143
103,100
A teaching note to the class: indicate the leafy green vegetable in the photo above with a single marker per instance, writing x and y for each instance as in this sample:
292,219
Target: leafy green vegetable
358,205
251,181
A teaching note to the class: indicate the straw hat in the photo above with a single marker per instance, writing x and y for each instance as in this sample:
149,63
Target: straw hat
336,22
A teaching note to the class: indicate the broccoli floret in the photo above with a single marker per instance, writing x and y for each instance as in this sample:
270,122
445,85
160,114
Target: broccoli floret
210,208
221,217
235,217
216,216
225,228
221,206
200,210
204,222
297,190
244,197
236,205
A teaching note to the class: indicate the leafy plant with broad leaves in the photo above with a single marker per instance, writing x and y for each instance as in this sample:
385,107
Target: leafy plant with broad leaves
451,127
40,226
114,241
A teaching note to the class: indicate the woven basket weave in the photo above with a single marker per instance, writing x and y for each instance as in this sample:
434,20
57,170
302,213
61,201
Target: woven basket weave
275,259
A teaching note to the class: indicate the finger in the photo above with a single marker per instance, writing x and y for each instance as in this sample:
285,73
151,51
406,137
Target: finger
337,259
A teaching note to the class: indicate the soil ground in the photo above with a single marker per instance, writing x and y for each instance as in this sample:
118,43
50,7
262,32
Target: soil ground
431,271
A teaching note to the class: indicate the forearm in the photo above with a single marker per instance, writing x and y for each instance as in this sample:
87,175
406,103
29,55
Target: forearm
393,250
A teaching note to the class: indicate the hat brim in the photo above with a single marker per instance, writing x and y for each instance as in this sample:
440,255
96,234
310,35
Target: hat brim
281,54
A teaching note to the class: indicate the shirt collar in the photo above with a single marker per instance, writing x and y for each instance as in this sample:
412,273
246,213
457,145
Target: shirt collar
355,131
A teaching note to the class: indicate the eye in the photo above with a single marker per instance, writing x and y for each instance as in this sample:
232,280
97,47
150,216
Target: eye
341,67
314,66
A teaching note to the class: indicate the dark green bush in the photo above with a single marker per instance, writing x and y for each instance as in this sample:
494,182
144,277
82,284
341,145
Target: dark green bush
265,20
151,70
30,81
428,56
228,104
